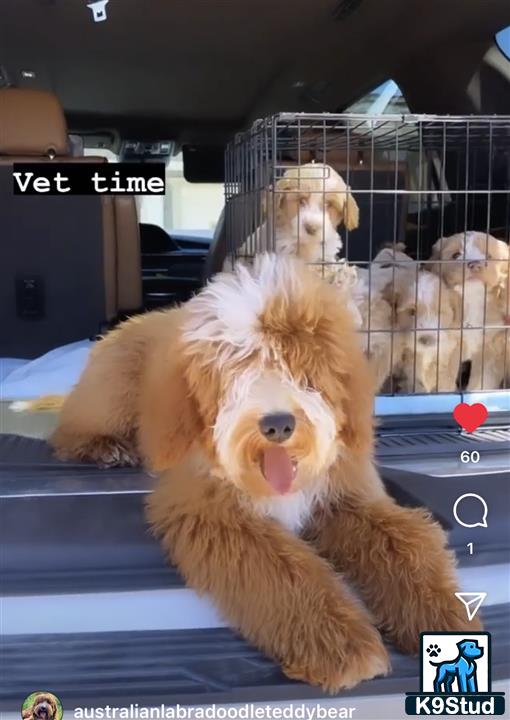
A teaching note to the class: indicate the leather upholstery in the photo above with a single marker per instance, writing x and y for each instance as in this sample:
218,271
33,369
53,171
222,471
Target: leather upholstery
32,124
33,129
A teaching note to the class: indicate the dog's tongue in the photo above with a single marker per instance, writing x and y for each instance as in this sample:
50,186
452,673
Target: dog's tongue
277,469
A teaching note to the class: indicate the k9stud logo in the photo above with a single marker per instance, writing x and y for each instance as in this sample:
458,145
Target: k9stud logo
455,676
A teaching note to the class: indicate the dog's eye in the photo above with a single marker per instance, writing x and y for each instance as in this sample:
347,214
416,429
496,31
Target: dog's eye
456,256
303,202
411,312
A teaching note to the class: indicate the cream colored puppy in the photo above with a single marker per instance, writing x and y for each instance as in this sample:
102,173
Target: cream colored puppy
469,256
374,316
425,315
391,270
481,339
372,300
302,216
488,345
502,338
475,265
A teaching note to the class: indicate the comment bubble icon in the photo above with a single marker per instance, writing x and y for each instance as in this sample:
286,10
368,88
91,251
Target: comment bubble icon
463,511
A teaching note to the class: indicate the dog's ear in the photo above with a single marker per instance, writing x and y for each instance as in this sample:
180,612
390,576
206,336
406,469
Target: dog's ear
281,188
498,249
351,212
454,300
349,389
265,202
501,252
170,421
357,433
435,254
436,249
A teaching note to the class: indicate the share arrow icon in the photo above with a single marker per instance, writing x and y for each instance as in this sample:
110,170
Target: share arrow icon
472,602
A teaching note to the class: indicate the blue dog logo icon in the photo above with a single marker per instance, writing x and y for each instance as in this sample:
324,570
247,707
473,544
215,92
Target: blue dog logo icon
463,670
461,686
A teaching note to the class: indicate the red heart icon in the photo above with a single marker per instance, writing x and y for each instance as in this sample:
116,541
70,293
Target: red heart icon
470,417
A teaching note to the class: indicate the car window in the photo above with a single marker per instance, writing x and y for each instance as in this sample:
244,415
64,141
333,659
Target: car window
503,41
384,99
190,207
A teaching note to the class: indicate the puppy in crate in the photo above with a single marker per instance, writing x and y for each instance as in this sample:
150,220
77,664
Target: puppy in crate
253,404
476,266
426,316
301,217
372,300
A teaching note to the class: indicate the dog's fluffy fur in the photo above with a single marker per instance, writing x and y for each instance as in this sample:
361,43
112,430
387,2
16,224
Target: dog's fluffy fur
302,215
263,527
44,707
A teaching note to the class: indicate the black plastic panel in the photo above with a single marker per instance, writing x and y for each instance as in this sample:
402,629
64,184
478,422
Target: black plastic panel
192,666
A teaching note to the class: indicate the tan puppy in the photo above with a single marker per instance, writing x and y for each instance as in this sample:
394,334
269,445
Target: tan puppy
393,255
481,338
373,299
502,350
254,402
375,321
471,256
476,266
303,213
491,360
425,320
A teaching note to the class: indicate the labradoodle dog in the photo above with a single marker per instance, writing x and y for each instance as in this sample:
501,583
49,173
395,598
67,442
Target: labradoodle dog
44,707
253,403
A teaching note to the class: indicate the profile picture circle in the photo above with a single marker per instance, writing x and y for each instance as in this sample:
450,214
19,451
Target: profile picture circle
42,705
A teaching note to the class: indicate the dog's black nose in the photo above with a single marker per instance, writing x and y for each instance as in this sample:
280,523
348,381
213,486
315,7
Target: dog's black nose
277,427
475,265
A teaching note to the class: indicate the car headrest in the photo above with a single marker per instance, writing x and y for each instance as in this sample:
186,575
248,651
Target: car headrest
32,123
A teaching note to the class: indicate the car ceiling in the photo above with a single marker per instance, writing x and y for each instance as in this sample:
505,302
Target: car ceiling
198,70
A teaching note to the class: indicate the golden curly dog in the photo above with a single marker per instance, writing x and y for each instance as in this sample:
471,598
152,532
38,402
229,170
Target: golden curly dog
253,401
44,707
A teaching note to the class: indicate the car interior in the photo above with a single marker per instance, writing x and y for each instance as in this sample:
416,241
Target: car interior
90,608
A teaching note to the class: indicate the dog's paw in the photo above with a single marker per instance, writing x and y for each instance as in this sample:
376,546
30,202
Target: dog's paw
346,660
102,450
444,614
112,453
452,618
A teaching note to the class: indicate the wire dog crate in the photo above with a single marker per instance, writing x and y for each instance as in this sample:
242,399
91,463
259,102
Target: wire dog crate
411,214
